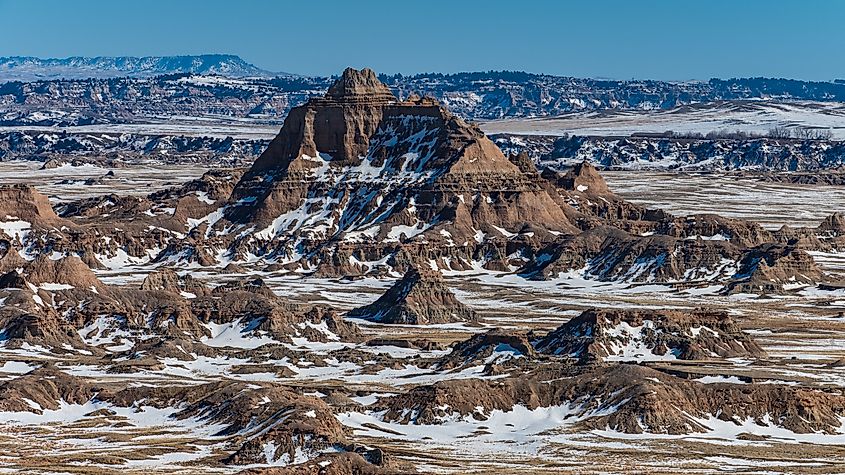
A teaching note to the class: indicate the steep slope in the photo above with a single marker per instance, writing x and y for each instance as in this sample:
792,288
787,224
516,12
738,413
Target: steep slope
358,167
359,182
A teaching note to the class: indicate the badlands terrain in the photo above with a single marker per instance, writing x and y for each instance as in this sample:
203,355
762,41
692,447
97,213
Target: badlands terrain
380,288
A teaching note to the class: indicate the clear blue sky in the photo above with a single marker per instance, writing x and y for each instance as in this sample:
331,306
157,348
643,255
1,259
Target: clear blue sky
681,39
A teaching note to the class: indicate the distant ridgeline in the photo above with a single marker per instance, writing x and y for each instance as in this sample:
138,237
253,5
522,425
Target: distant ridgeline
27,68
94,88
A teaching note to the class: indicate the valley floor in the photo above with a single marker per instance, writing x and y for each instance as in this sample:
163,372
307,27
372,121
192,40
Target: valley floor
803,333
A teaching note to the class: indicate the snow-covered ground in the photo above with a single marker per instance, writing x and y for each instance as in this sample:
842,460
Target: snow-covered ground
221,127
748,116
770,204
67,182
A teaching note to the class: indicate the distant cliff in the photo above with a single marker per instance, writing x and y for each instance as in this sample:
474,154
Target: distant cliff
667,153
28,68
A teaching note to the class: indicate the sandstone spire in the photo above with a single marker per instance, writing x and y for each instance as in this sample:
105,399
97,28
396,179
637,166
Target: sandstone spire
361,85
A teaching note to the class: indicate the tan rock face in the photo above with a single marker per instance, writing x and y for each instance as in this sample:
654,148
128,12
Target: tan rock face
834,223
359,85
168,280
360,167
420,297
70,271
24,202
584,178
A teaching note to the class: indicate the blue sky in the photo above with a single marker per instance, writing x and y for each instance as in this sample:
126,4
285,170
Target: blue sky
615,39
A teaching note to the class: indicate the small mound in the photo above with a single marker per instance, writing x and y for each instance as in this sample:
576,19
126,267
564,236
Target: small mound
492,347
43,389
249,310
635,399
643,335
834,224
169,281
117,207
268,424
418,298
769,267
67,271
253,285
584,178
38,328
9,258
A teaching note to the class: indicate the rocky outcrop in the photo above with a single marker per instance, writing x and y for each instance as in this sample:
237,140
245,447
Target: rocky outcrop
584,178
494,347
643,335
293,426
607,253
25,319
168,280
710,227
420,297
768,268
679,153
360,167
833,224
45,388
627,398
361,86
63,273
727,258
252,305
216,184
22,207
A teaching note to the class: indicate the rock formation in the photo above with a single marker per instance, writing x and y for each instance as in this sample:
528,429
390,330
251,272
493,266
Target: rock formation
628,398
23,203
491,347
420,297
359,167
43,389
769,267
643,335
